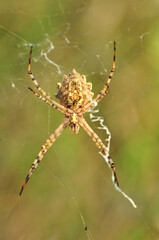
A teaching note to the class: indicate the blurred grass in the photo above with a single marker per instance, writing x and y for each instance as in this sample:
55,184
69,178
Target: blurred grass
46,209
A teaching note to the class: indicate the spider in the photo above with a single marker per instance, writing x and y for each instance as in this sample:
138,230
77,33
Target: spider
76,98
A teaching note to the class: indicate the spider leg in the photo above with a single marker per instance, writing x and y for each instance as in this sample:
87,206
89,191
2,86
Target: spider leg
43,93
43,99
101,148
105,89
106,156
44,149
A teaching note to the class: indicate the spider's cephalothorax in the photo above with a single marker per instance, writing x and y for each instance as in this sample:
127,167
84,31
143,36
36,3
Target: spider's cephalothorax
75,97
74,92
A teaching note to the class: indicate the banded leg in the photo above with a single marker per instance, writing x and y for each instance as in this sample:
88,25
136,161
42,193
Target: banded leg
106,156
43,93
44,149
101,148
105,90
42,98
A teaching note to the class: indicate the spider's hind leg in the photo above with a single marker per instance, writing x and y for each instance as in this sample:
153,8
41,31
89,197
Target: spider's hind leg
102,149
44,149
106,156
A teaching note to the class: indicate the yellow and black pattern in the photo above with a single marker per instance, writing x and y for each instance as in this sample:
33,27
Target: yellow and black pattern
44,149
40,97
105,90
98,142
43,93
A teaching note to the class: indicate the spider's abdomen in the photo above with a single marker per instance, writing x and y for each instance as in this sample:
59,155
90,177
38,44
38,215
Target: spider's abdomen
74,91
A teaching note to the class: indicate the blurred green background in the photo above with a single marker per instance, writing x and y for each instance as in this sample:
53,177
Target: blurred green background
79,34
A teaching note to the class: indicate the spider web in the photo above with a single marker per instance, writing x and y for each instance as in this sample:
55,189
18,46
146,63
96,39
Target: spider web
80,35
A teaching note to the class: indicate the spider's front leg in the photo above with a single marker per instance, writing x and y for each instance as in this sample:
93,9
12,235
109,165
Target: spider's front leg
105,89
44,149
101,147
42,92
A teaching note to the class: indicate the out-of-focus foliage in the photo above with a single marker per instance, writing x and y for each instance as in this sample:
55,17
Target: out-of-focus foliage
81,34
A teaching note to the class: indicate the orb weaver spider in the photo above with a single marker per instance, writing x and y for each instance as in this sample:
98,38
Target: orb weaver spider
76,98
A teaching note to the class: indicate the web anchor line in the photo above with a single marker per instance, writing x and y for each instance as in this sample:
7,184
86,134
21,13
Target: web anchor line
95,118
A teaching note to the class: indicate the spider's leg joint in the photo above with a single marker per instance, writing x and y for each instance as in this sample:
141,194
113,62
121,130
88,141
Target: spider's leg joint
29,72
33,166
38,161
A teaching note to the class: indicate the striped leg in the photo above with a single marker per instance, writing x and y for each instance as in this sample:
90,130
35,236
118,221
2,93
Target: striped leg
43,99
105,90
101,147
106,156
44,149
43,93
